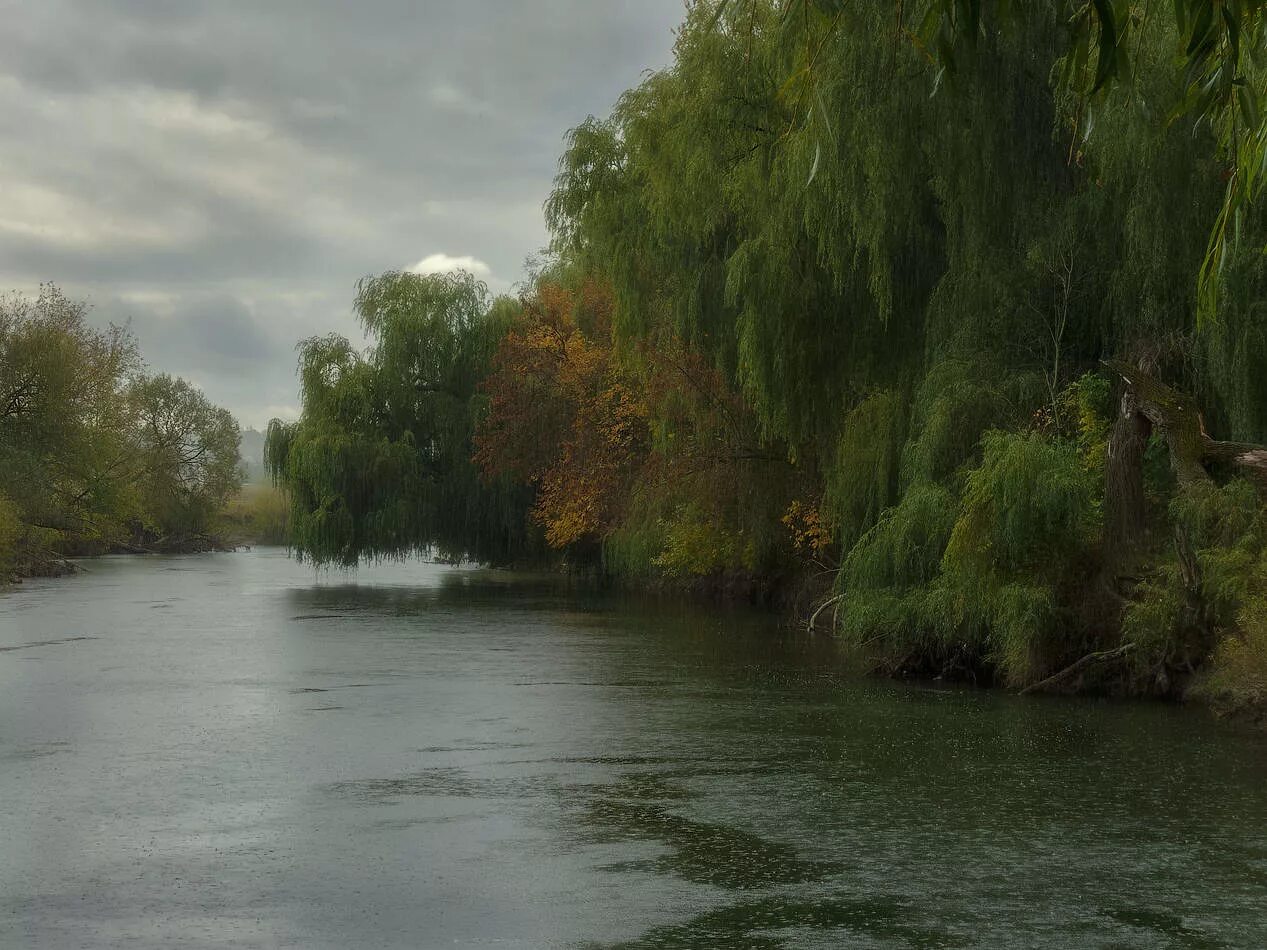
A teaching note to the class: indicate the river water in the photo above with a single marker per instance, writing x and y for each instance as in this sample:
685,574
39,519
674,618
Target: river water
235,751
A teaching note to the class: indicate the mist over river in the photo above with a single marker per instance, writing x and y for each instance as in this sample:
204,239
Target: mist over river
236,751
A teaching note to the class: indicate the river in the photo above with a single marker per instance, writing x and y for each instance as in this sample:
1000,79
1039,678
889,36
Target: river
237,751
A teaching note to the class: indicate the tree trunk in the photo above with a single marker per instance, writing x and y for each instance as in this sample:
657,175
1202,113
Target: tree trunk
1125,510
1176,419
1149,406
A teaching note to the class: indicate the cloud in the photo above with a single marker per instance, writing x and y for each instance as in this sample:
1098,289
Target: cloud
443,263
237,348
447,96
224,173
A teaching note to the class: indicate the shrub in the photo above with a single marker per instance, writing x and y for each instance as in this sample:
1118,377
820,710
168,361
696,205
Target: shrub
1236,681
10,535
861,482
259,514
1224,527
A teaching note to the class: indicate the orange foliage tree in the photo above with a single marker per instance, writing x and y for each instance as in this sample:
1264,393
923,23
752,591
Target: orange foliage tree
560,414
646,447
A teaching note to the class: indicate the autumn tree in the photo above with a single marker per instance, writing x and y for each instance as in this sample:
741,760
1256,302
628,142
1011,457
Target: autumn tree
642,448
561,416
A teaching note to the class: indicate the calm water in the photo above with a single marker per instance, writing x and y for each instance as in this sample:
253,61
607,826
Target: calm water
230,751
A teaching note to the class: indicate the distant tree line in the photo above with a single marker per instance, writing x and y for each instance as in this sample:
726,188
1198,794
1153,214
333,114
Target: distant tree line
924,333
96,454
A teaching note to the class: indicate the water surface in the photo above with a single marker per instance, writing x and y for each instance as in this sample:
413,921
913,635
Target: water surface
233,751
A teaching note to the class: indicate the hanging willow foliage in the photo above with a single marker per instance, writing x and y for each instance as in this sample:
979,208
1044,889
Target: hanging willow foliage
834,294
1219,46
896,229
379,464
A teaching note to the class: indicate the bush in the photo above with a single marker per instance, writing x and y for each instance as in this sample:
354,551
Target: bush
259,514
1236,681
982,581
1224,527
10,535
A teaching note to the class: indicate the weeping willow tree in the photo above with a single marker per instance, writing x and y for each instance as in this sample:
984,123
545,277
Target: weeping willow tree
1217,54
921,301
379,464
911,247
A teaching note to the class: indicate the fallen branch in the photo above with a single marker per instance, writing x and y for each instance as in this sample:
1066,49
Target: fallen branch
821,607
1078,665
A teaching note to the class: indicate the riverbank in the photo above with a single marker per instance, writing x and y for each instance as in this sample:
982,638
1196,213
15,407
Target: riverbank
28,565
255,515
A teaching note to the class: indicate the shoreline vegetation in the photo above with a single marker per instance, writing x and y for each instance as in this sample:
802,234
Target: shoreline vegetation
948,340
98,455
255,516
912,329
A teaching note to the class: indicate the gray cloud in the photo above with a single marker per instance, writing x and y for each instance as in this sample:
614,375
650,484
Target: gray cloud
223,173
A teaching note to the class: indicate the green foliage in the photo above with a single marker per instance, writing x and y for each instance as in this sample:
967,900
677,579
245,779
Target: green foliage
631,551
66,447
1220,515
187,453
1028,509
719,520
1226,529
258,514
1236,681
979,577
93,454
10,535
1025,630
694,544
1026,532
1107,51
379,465
905,548
955,404
863,480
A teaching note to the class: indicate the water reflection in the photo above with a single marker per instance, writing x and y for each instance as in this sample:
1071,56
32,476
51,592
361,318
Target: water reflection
775,923
423,757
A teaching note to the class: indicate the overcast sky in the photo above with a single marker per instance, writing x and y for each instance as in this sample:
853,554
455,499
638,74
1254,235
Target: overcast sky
221,173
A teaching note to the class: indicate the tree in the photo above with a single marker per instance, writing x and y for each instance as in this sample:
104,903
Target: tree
1217,56
188,456
66,451
863,265
94,455
807,321
561,417
379,463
